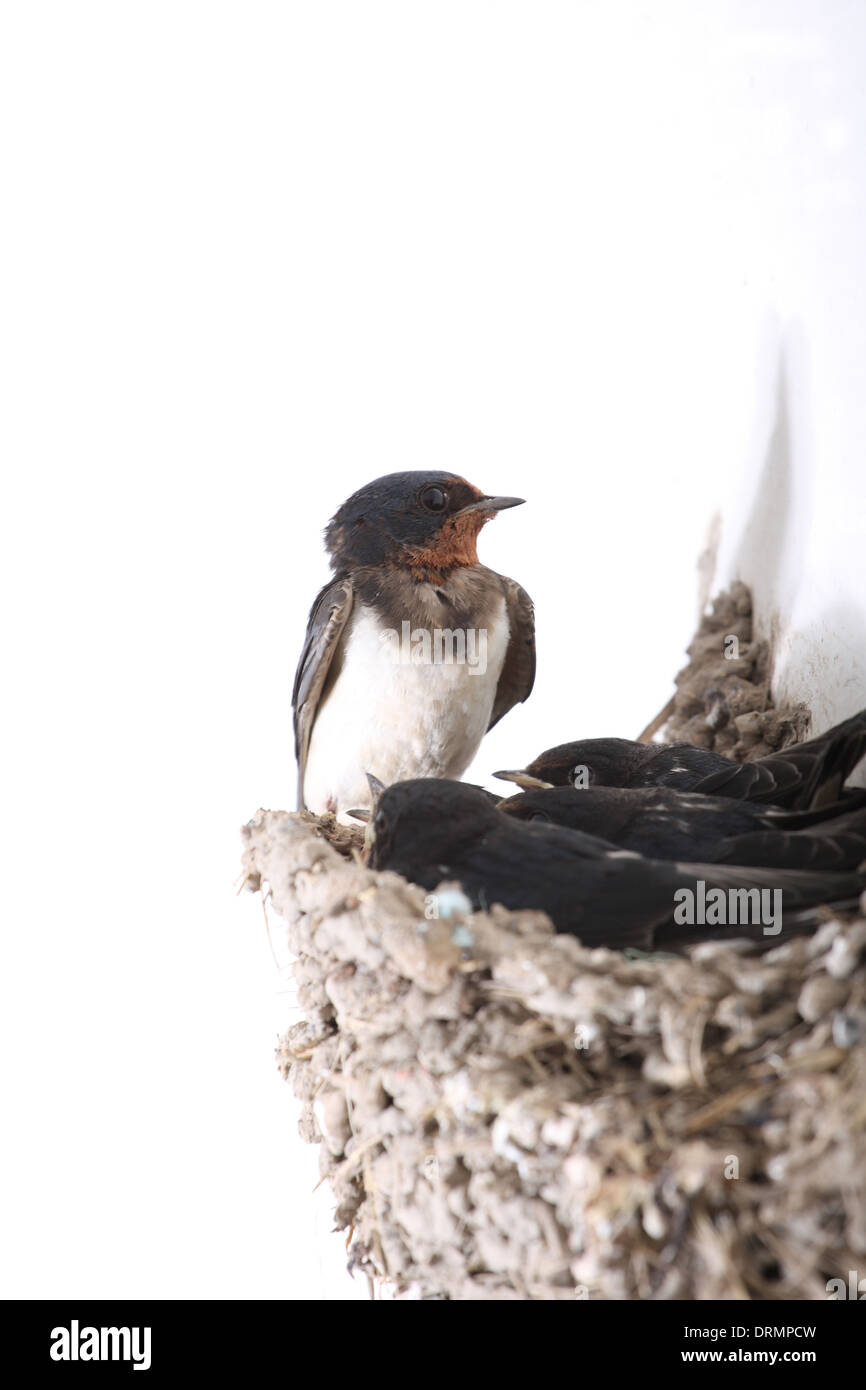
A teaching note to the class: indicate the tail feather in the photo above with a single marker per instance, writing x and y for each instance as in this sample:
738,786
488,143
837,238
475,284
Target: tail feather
760,918
836,845
806,777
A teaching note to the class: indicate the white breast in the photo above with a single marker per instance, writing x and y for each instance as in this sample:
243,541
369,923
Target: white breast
399,719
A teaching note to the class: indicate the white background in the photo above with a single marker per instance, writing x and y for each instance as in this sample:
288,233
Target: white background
606,256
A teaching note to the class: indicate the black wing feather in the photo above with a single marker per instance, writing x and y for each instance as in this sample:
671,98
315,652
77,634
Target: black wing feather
326,625
518,671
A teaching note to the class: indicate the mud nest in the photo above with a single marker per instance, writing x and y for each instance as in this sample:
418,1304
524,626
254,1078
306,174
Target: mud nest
502,1114
723,699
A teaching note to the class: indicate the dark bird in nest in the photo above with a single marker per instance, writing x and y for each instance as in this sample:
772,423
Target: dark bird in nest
431,831
660,823
804,777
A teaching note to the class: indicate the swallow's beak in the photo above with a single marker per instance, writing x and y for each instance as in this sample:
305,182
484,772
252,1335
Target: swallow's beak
361,813
492,504
524,780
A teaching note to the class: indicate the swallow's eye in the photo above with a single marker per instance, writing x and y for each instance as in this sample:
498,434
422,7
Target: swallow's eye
435,499
540,815
380,820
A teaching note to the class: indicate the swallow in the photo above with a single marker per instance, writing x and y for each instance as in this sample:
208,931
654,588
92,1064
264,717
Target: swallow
431,831
661,823
414,650
803,777
364,813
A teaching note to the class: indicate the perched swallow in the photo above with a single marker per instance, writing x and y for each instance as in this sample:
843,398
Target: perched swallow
806,776
430,831
661,823
413,649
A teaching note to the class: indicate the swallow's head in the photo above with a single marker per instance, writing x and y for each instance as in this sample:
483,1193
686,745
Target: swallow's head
416,521
425,821
546,806
592,762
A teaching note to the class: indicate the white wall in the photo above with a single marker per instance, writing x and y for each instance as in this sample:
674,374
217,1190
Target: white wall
256,256
795,509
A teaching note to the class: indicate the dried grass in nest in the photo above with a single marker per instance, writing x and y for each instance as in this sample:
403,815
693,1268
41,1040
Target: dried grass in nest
503,1114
